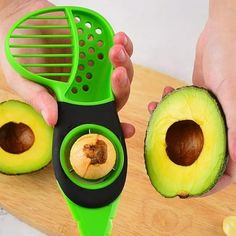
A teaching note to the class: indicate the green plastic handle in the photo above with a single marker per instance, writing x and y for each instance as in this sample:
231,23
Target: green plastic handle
94,221
83,41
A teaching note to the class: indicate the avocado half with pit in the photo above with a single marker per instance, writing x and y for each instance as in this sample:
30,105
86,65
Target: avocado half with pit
25,139
186,143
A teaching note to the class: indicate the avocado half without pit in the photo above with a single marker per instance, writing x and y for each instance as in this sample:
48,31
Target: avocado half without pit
186,143
25,139
92,156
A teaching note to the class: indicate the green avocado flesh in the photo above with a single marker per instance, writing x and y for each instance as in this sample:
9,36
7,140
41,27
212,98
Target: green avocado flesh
25,139
186,143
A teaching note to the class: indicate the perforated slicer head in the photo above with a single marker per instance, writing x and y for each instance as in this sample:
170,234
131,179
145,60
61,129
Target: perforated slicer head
66,49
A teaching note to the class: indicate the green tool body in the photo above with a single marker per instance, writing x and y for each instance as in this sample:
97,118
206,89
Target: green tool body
69,54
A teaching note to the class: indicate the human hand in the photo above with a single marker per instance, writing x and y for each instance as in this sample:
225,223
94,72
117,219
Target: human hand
215,70
38,96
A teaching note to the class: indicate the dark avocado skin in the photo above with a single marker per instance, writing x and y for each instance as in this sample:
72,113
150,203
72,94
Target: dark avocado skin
224,164
27,173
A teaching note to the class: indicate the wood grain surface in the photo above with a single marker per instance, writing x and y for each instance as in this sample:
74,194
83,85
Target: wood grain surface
35,198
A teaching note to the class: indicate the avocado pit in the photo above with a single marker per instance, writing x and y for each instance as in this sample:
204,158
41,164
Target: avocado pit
97,153
184,140
92,156
16,138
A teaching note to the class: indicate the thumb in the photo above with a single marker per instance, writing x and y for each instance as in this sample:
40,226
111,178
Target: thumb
232,143
197,77
231,123
227,97
34,94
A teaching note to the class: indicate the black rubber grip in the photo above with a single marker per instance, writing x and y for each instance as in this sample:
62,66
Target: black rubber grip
69,117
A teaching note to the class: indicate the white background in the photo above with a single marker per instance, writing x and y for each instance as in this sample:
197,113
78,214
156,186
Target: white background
164,33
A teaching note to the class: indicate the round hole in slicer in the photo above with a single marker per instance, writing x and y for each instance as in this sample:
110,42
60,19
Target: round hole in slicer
80,31
98,31
100,43
91,63
90,37
81,67
79,79
88,25
85,87
89,76
100,56
77,19
74,90
81,43
91,50
82,55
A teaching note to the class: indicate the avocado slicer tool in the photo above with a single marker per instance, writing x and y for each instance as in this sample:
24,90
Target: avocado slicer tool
66,49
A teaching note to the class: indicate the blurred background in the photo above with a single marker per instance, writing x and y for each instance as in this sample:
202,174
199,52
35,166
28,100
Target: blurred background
164,33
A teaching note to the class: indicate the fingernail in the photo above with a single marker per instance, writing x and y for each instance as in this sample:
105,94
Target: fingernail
124,82
234,153
122,55
125,40
44,115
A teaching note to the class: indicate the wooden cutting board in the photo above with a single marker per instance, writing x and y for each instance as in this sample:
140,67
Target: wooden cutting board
35,198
